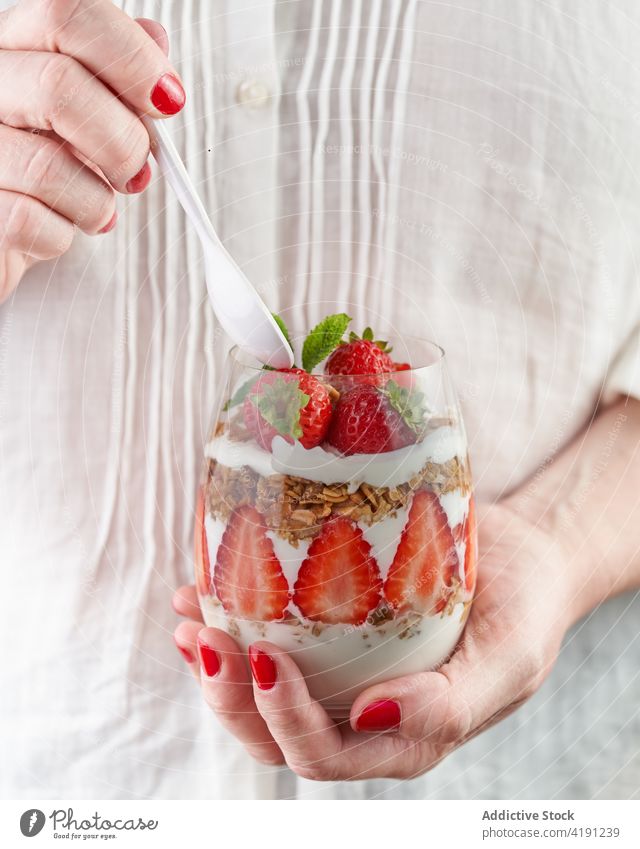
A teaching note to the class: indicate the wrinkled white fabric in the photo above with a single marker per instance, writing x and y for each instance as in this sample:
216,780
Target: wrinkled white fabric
466,172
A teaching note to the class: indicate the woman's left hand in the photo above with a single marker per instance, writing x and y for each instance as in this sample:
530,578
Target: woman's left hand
523,606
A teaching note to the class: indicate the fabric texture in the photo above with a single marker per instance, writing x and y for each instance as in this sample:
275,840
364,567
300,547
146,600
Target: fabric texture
465,172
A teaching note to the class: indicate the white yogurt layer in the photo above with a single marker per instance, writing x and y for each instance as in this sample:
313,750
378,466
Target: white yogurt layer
214,528
455,505
384,536
291,559
325,466
339,661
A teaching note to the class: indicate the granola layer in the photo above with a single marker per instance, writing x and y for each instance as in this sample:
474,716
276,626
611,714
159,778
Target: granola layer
295,507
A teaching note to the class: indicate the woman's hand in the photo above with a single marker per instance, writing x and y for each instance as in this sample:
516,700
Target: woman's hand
74,78
522,609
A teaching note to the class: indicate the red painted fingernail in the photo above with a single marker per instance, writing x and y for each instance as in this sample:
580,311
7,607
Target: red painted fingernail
111,224
263,668
168,95
140,181
209,659
186,654
383,715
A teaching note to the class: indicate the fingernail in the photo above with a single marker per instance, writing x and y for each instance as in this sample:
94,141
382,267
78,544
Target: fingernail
263,668
140,181
383,715
111,224
186,654
209,659
168,95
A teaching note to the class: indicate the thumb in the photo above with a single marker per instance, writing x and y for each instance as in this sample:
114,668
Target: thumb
444,707
157,32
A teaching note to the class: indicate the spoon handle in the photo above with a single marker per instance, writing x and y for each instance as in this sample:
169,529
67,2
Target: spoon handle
172,168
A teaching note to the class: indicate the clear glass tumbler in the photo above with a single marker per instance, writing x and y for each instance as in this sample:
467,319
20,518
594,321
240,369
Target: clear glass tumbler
360,562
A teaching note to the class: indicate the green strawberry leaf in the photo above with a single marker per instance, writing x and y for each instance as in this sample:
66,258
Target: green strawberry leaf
283,328
239,395
368,335
323,340
279,403
409,403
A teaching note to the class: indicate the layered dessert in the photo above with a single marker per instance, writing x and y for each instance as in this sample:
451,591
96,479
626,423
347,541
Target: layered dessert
336,516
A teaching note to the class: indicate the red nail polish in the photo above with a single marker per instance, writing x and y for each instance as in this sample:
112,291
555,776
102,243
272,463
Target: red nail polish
168,95
209,659
383,715
140,181
111,224
186,654
263,668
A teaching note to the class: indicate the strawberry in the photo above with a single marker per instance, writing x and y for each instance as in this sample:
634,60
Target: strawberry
421,575
338,581
248,577
360,355
372,420
471,547
201,549
402,366
289,403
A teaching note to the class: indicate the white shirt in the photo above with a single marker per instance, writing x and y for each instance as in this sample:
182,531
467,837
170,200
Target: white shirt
467,172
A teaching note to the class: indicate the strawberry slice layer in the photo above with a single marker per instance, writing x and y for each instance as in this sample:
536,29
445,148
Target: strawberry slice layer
201,549
421,575
471,548
248,577
339,580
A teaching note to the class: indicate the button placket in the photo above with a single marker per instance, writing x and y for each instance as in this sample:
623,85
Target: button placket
252,89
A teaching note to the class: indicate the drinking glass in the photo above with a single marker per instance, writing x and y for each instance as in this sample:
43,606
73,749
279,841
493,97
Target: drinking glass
362,565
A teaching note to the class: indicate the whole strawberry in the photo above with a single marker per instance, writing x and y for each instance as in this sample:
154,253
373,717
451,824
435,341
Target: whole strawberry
371,420
360,355
288,403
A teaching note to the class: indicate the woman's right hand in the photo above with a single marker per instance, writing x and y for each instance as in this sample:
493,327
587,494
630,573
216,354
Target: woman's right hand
75,76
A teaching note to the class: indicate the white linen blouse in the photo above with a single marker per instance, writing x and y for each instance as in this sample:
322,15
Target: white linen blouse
467,172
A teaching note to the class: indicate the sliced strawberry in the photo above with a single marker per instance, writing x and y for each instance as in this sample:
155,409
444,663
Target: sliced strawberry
471,547
421,575
201,549
339,581
402,366
248,578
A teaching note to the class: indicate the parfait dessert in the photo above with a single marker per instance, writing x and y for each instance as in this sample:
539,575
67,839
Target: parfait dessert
336,517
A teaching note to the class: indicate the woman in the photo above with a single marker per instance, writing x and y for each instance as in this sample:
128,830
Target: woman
463,173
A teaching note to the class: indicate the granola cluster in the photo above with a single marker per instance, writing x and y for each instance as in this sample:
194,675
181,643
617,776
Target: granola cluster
295,507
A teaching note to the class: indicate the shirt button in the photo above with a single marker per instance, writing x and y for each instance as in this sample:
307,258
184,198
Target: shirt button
253,94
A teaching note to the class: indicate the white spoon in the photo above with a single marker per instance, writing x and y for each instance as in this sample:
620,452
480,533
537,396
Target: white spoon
237,305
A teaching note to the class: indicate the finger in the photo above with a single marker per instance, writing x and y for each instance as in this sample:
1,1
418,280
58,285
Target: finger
309,740
445,707
32,228
44,169
59,94
106,41
186,640
227,689
156,31
185,603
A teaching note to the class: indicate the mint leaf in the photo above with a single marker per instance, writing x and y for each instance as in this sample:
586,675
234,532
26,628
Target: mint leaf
279,403
239,395
283,328
410,404
323,339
